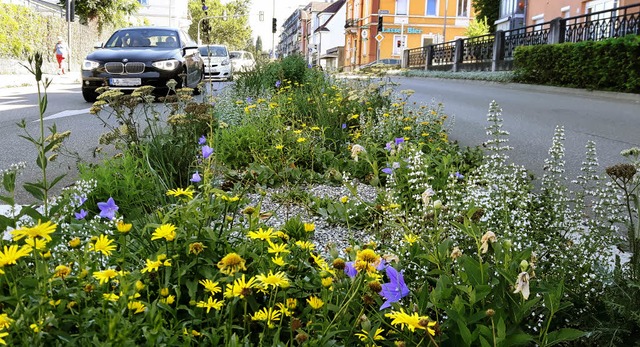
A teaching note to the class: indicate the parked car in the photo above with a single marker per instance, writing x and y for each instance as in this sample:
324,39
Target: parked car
140,56
242,61
217,64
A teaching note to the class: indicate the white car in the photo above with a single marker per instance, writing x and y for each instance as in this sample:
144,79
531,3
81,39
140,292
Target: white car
242,60
217,64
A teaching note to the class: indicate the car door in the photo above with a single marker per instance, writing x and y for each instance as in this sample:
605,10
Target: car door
192,59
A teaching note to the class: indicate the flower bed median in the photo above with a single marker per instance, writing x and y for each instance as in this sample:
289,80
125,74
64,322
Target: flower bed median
183,238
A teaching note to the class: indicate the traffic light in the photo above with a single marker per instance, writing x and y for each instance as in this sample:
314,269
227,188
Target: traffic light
71,9
274,26
380,19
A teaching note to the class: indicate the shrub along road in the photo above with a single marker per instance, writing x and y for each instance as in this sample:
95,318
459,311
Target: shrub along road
531,114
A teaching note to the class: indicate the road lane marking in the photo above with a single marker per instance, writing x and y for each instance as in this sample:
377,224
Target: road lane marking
67,113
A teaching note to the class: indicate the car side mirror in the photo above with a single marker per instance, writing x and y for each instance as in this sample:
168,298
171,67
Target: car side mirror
98,45
188,50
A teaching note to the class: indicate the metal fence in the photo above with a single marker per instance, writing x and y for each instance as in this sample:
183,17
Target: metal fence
495,51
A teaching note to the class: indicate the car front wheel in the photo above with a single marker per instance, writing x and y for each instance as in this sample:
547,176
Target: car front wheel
89,95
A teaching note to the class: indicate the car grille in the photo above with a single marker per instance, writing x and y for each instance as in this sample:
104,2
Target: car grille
120,68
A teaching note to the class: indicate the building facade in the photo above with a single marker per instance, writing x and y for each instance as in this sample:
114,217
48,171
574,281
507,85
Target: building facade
519,13
330,35
405,24
291,38
540,11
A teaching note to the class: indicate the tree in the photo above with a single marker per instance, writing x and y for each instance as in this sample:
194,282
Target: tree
489,9
477,28
104,12
234,31
259,44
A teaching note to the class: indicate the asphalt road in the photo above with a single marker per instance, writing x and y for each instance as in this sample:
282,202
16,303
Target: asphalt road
68,111
531,114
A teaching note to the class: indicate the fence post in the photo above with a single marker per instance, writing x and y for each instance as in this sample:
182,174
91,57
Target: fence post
405,59
458,55
428,57
556,33
498,51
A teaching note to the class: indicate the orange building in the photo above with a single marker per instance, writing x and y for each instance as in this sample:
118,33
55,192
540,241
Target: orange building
405,24
541,11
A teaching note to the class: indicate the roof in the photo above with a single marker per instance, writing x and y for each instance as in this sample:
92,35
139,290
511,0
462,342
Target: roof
317,6
333,8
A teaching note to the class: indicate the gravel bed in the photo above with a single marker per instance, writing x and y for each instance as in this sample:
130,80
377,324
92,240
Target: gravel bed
326,233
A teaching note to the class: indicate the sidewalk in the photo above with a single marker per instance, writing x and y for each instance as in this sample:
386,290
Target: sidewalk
27,79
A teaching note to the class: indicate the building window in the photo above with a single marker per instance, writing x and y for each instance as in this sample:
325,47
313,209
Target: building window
566,11
463,8
431,7
144,2
402,7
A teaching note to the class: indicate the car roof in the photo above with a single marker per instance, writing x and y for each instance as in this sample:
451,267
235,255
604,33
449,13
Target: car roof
213,46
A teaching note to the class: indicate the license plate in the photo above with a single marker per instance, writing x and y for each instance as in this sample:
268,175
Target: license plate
125,82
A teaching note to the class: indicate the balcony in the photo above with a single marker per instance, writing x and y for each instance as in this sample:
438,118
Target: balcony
351,24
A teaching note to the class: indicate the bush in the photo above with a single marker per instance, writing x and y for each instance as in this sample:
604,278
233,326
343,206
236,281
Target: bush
611,64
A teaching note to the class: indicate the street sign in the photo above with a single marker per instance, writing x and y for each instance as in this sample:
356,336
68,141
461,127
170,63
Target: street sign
379,37
364,34
383,11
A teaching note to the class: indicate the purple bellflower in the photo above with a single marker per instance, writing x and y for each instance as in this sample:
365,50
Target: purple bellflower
80,215
387,170
350,269
395,290
206,151
278,83
399,140
108,209
202,140
195,178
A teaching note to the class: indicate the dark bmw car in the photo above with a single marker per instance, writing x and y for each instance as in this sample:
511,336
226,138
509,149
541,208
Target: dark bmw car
142,56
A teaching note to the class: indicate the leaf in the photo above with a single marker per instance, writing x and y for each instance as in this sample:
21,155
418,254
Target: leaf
56,180
518,339
34,190
7,200
565,334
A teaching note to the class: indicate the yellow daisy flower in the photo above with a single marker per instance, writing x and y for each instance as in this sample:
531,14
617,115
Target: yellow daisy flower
12,253
136,307
123,227
315,302
74,242
179,193
277,249
309,227
268,315
410,238
412,321
211,304
211,286
166,231
105,275
261,234
42,230
305,245
231,263
39,244
103,245
240,288
377,336
111,297
279,279
169,300
5,321
61,271
278,261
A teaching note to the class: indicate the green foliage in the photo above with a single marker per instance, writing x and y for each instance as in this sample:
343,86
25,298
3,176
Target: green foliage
105,13
234,31
489,10
610,64
477,27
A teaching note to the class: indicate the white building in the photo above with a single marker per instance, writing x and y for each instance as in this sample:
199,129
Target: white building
330,34
169,13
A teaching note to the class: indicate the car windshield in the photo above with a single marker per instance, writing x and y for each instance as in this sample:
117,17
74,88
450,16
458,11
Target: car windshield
235,55
143,38
212,51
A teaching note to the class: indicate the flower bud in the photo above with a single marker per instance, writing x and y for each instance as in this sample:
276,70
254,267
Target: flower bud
437,204
490,312
524,265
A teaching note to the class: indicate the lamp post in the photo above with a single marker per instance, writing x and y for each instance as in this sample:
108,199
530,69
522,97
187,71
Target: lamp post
444,29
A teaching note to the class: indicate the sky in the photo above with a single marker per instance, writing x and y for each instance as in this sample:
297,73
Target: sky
283,9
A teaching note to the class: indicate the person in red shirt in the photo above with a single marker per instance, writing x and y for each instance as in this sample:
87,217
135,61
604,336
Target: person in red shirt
61,52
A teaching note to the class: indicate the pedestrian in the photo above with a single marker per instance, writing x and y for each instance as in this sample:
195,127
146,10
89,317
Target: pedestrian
61,50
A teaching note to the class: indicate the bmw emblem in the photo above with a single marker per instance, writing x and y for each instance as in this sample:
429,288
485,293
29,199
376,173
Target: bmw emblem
125,60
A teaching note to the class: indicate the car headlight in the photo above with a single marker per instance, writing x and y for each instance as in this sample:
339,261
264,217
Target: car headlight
166,64
225,62
90,65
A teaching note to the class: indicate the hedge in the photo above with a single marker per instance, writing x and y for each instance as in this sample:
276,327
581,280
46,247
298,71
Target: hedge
612,64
